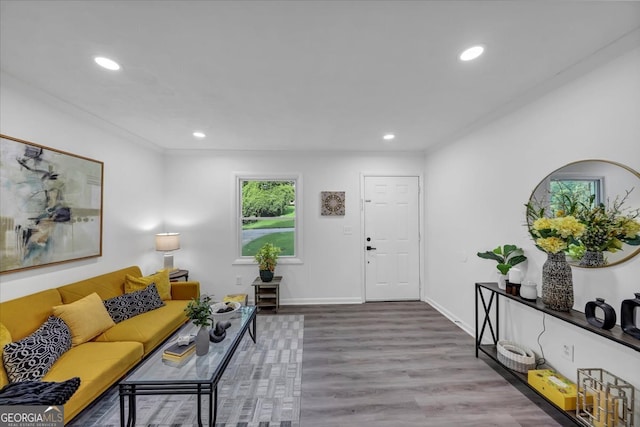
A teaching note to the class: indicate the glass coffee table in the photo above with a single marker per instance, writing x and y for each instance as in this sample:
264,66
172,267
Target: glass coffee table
198,375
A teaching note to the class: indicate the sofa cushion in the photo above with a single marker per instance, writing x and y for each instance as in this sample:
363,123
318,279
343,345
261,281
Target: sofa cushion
161,279
130,305
5,338
24,315
107,285
99,365
30,358
150,328
86,318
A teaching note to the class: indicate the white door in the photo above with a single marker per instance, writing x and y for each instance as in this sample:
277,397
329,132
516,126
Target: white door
392,238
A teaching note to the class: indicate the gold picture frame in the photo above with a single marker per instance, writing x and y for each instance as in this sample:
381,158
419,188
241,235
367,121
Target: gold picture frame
50,206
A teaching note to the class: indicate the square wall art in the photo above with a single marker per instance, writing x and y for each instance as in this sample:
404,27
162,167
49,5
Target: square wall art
332,203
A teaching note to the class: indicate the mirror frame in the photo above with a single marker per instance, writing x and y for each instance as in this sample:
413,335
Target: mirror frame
628,169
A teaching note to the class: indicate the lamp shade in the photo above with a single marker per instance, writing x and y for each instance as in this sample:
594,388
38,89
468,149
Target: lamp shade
167,242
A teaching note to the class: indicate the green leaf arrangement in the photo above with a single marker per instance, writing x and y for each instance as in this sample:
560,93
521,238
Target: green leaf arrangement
506,256
199,310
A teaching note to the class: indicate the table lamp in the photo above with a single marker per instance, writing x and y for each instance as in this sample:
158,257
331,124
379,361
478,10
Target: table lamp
167,243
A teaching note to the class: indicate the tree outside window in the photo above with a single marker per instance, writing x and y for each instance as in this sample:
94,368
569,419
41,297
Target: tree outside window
268,215
585,191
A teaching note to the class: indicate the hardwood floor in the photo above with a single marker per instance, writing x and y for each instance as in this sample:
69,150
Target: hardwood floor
404,364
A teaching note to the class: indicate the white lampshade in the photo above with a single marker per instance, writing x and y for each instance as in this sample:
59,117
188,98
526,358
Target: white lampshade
166,242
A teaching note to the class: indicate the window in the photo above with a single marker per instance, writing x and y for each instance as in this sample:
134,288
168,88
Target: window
268,213
587,191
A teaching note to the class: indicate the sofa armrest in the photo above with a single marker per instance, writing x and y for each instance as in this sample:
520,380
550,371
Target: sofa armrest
185,290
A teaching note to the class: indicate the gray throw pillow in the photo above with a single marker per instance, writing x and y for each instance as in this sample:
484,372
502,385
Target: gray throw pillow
125,306
31,358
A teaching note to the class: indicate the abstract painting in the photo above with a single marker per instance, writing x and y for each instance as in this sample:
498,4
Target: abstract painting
332,203
50,206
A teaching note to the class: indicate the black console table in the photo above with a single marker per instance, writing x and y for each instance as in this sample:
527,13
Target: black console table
486,323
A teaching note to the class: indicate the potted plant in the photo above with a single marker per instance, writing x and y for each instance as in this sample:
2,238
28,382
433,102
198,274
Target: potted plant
507,256
267,259
199,311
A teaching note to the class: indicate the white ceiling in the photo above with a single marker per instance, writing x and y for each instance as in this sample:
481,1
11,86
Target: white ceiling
307,75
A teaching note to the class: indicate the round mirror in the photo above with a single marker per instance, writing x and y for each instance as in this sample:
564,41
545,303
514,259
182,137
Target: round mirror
596,192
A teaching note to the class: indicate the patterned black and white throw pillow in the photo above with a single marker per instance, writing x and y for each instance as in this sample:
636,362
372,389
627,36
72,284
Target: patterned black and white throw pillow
31,358
125,306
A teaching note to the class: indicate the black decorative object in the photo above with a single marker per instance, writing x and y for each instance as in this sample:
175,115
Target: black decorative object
609,314
627,311
224,325
219,333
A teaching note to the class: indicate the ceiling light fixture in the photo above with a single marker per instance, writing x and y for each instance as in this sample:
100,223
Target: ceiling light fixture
198,134
389,137
107,63
471,53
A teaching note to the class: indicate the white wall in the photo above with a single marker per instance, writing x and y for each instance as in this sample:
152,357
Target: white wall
476,189
474,197
132,194
201,188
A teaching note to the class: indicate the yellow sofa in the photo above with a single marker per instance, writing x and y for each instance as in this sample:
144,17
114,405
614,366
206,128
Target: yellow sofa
104,360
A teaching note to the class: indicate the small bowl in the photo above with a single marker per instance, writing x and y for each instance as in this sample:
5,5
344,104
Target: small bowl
217,317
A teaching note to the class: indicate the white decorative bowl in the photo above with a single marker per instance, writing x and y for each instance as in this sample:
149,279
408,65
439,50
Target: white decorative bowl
217,317
516,356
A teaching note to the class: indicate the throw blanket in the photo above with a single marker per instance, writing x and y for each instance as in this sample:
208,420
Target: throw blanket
39,393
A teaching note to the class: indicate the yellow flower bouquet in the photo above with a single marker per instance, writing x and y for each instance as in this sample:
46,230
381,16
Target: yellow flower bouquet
554,235
608,227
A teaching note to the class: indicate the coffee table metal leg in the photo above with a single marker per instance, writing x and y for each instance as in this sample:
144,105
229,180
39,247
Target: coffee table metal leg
213,405
131,421
121,408
252,331
199,405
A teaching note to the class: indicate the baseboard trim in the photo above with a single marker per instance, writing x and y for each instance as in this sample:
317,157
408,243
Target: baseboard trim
313,301
446,313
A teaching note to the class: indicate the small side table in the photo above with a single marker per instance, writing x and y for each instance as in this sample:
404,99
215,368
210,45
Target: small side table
177,274
267,294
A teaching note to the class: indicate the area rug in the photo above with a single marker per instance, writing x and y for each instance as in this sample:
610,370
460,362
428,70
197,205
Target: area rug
260,387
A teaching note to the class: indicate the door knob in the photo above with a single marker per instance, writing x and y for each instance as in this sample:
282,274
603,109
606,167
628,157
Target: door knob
369,248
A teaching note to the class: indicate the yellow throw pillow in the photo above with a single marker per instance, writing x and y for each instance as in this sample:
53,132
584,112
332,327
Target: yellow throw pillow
86,318
5,338
161,279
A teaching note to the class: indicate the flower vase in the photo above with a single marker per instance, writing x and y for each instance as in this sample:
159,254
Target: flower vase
202,341
557,283
592,259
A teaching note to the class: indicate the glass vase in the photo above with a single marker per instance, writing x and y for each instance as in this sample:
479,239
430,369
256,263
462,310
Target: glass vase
557,283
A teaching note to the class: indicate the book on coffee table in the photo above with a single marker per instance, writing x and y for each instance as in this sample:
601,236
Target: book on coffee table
176,361
175,350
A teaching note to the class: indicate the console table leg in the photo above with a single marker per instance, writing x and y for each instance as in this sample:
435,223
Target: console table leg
487,319
476,319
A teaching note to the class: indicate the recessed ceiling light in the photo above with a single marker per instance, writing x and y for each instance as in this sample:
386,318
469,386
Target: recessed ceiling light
389,137
471,53
198,134
107,63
